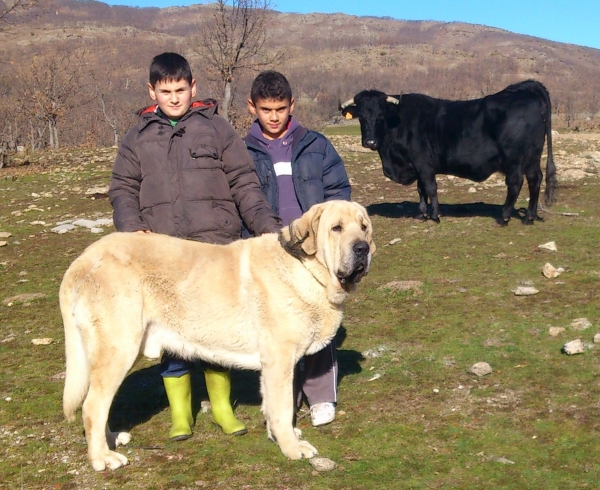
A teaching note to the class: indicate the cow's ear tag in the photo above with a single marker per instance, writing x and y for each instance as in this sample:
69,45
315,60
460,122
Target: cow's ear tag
348,115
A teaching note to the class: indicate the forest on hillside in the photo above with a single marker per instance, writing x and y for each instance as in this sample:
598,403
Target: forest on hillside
74,73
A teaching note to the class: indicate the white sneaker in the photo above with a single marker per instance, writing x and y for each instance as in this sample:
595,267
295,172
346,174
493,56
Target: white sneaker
322,413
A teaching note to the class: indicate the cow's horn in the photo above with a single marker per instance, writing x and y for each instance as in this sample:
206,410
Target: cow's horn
392,100
347,103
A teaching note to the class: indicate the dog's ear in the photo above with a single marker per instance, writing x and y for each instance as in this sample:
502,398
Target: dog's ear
304,229
372,246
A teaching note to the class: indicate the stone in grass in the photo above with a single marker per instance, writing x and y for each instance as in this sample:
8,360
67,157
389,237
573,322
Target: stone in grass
556,331
24,298
597,338
550,271
574,347
581,324
44,341
549,246
322,464
480,369
60,229
525,291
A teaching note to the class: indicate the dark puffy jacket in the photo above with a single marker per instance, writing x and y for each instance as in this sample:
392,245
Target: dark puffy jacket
193,180
318,171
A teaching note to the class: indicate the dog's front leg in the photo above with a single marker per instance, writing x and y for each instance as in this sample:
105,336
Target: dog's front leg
278,407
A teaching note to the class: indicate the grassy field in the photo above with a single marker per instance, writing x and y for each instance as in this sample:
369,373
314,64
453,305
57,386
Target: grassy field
410,415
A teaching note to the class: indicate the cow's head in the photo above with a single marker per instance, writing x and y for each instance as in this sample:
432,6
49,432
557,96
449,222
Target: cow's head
372,108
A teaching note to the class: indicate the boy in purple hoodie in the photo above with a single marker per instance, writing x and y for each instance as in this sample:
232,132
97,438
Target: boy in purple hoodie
296,168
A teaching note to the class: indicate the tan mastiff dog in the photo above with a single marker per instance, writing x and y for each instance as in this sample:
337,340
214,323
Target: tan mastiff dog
258,304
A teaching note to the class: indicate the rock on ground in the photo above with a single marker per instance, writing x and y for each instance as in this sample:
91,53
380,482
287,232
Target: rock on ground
550,271
525,291
549,246
574,347
322,464
581,324
480,369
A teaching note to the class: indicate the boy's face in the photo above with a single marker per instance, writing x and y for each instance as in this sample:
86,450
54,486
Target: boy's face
273,115
173,97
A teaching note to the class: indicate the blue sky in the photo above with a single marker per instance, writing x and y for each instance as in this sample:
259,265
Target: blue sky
574,21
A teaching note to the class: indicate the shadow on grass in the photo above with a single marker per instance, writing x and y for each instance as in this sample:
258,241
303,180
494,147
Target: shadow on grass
348,360
407,209
142,394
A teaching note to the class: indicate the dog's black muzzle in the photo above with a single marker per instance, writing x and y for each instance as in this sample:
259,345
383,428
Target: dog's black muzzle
360,251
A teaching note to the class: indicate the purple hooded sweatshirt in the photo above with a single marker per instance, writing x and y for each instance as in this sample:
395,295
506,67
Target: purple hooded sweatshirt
280,151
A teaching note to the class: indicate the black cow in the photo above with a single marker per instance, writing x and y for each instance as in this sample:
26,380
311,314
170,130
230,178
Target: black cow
418,137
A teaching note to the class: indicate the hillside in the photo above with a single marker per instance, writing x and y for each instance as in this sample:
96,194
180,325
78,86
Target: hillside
328,57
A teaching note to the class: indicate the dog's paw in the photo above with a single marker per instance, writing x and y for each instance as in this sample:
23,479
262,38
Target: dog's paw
122,439
111,460
301,449
116,439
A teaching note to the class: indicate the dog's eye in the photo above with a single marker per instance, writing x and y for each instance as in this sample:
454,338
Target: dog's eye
337,228
364,227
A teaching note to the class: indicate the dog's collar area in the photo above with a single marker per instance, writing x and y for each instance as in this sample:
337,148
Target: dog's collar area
294,248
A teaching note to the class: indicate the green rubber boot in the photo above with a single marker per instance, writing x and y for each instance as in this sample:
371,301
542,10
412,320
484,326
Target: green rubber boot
218,385
179,393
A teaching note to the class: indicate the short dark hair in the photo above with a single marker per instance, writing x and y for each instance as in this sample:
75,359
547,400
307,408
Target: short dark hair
270,84
169,67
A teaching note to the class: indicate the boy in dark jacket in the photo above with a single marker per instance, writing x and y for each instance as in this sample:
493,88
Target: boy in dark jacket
185,172
296,168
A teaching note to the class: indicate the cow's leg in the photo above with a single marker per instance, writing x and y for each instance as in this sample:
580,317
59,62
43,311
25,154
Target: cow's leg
514,182
534,182
422,201
428,192
277,379
435,204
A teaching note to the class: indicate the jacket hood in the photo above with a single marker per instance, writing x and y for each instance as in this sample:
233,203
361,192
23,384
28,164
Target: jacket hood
207,108
298,131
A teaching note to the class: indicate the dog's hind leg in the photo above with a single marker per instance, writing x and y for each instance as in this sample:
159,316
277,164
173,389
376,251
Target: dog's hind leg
278,407
106,376
77,368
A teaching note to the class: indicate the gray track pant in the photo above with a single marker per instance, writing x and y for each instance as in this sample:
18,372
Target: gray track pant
316,377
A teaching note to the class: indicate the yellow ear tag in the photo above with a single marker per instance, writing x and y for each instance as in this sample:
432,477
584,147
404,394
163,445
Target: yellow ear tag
348,115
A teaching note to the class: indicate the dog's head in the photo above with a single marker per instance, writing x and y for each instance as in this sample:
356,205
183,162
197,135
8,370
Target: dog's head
339,235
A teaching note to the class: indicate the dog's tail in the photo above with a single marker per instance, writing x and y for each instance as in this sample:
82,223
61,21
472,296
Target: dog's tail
77,376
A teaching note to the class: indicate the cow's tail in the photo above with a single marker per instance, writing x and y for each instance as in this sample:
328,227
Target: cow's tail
551,181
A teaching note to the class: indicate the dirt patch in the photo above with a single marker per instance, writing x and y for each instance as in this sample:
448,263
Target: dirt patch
22,298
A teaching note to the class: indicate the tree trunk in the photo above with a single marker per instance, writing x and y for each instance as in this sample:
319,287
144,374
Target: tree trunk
51,135
3,153
226,100
31,136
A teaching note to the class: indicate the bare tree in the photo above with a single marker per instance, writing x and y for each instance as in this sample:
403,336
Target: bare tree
234,39
569,111
51,86
114,101
11,8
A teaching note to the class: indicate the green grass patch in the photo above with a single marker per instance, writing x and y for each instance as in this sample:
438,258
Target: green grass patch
409,416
